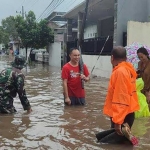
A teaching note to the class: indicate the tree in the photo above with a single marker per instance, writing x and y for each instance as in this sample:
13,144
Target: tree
4,37
26,29
44,34
1,34
9,28
8,31
33,34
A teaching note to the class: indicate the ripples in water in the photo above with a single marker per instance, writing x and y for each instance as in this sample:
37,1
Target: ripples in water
53,126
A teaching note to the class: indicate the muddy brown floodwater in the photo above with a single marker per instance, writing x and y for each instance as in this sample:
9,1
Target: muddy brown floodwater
53,126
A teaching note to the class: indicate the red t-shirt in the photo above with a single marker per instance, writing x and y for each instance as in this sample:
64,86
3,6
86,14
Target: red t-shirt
71,73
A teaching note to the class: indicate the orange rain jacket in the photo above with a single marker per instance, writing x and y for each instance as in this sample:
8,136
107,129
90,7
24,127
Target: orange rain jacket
122,97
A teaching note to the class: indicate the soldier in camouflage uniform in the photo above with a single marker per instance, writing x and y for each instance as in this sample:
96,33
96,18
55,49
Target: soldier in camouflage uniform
13,86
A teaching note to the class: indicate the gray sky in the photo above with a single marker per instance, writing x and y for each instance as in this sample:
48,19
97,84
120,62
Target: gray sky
9,7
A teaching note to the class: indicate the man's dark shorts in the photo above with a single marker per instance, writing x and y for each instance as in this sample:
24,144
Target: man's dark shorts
77,101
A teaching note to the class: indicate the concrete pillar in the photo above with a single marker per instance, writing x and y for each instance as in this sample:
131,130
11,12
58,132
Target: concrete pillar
115,22
99,29
69,30
80,19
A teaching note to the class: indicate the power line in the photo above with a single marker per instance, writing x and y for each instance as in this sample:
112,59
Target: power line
52,9
32,4
53,5
21,4
29,3
45,9
70,4
21,12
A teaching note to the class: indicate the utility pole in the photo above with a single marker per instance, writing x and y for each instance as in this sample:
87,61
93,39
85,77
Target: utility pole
23,15
83,23
21,12
80,40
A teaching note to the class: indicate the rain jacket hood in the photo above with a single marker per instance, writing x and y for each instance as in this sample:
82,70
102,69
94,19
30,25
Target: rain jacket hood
128,67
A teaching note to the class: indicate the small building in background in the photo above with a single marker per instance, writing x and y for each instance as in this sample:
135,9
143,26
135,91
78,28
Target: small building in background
57,50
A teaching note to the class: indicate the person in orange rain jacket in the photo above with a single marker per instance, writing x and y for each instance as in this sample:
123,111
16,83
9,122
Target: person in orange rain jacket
121,100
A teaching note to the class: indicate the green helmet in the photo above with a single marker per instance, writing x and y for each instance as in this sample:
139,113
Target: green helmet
19,62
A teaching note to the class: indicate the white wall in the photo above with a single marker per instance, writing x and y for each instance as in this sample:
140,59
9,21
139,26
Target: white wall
1,46
138,32
55,54
103,67
90,31
22,51
127,10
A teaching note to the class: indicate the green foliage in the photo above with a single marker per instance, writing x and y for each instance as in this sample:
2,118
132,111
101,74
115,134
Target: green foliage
44,34
4,36
9,29
24,28
1,34
33,34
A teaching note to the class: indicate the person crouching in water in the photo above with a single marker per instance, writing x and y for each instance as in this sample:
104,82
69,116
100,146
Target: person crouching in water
14,85
121,100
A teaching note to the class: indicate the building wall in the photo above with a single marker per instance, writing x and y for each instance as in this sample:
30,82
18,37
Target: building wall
102,67
135,10
55,54
106,27
22,51
52,25
103,27
90,32
142,36
148,13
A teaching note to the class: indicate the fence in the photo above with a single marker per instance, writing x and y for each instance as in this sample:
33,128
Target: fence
93,46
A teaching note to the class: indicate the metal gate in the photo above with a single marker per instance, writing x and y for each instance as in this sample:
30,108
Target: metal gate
93,46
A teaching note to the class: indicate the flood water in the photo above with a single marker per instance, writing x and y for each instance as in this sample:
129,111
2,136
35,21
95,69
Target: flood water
53,126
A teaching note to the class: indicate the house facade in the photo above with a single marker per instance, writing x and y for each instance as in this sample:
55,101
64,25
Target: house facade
106,26
105,18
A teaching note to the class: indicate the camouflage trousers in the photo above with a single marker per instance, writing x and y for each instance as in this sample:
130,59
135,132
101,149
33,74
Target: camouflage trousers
6,102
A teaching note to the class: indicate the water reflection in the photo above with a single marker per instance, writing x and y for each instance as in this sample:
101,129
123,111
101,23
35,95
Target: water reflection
12,128
53,126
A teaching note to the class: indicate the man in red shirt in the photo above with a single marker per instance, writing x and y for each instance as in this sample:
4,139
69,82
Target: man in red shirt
74,94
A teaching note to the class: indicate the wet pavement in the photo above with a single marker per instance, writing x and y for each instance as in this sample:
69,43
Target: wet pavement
53,126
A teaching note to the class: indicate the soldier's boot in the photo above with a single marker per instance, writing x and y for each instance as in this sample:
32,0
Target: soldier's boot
127,133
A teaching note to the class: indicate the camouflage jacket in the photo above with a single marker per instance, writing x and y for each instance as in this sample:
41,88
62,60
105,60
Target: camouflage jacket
9,90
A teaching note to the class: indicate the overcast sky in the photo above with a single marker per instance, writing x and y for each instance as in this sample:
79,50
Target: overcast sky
9,7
